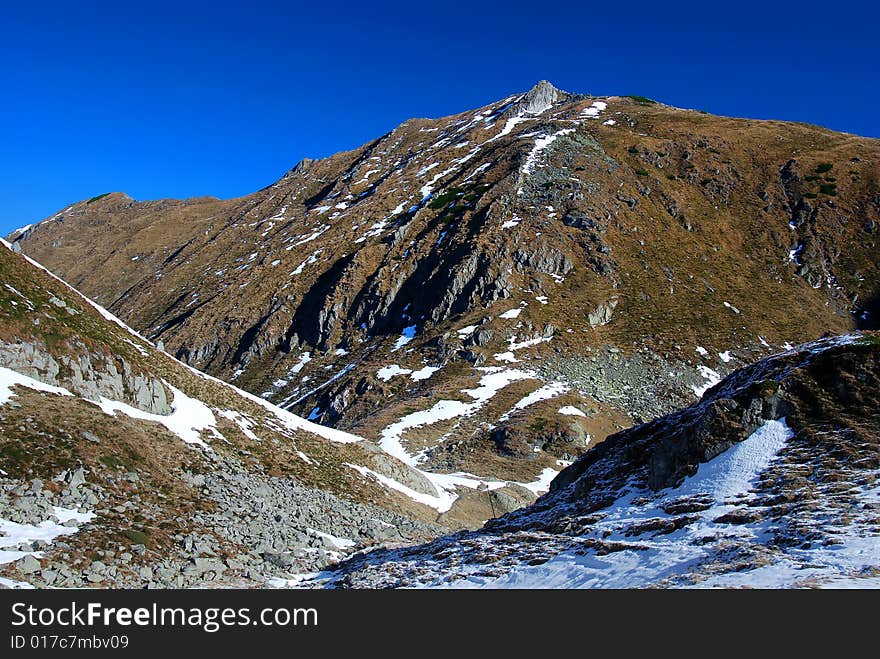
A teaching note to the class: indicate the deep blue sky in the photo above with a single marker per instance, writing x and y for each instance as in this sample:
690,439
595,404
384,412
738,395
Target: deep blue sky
162,99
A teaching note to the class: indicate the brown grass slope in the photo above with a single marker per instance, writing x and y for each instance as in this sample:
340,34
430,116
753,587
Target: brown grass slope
688,230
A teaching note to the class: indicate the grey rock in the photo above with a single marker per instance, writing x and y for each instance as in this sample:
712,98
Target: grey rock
87,374
482,337
538,99
601,315
28,564
49,576
90,436
280,560
76,478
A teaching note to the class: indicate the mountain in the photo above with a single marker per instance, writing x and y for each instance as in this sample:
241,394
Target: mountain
474,301
771,480
615,255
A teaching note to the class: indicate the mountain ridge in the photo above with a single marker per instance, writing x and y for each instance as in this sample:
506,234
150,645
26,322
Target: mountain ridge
608,255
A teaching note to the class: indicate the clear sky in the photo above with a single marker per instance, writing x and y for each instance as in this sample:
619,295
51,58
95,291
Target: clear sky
179,99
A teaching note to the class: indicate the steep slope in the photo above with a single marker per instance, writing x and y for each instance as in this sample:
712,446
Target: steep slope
771,480
121,466
608,258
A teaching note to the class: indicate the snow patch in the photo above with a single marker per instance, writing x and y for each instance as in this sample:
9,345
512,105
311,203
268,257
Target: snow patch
712,378
541,144
387,372
243,422
594,110
10,378
729,475
188,418
547,391
511,313
13,534
424,373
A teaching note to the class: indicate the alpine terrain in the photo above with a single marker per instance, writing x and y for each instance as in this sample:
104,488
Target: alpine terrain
573,316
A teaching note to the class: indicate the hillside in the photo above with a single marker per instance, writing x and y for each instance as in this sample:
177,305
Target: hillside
769,481
120,466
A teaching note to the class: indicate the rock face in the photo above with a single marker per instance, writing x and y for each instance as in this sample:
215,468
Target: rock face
770,480
601,315
830,379
88,375
539,98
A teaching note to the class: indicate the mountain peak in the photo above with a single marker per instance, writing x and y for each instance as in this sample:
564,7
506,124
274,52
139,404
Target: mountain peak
540,97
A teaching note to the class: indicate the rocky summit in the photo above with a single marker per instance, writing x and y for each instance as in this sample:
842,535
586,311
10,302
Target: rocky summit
444,326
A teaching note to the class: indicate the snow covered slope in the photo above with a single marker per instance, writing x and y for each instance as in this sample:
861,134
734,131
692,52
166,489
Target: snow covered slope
770,481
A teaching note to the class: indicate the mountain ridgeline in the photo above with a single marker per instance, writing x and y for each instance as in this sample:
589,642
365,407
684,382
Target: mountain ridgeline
472,305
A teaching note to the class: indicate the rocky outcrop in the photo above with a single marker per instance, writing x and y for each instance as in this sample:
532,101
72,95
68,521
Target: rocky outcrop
830,379
538,99
88,374
601,315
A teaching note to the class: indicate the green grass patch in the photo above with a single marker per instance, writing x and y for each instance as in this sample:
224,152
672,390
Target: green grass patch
13,457
538,424
811,195
100,196
828,188
641,172
444,199
137,537
642,100
634,150
823,167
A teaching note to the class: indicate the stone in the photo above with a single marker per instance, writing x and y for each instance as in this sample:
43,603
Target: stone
76,478
279,560
49,576
27,564
539,98
601,315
